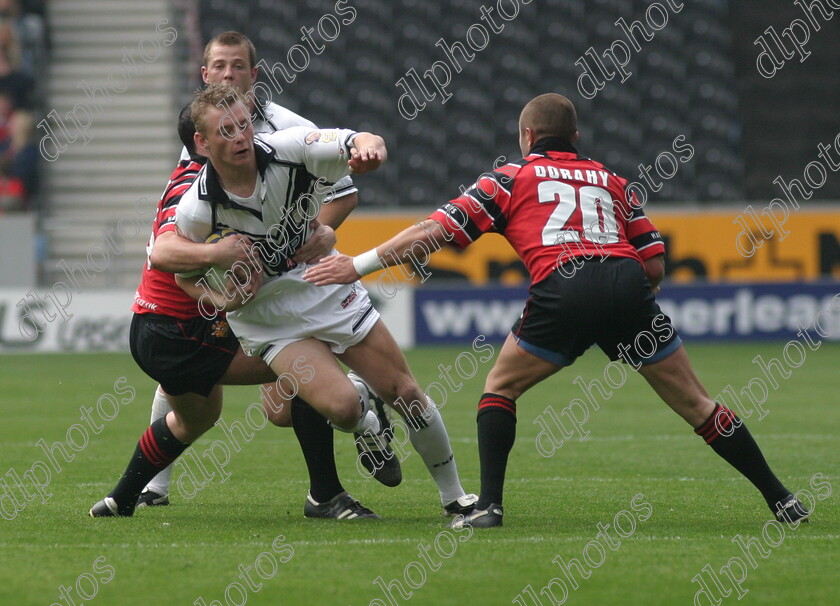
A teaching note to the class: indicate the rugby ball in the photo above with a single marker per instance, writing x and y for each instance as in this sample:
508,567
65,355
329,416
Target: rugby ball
219,234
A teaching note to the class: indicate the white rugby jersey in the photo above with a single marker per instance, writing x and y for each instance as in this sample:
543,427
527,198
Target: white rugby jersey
270,118
297,168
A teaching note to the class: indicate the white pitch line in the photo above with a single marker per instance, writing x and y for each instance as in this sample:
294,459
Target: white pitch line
666,437
396,541
669,479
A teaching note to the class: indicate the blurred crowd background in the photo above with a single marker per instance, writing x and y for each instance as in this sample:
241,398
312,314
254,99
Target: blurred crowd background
23,52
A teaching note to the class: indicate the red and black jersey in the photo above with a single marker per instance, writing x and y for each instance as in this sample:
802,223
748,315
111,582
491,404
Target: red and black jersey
552,206
158,293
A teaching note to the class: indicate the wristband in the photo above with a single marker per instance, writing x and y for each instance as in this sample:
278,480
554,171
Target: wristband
367,262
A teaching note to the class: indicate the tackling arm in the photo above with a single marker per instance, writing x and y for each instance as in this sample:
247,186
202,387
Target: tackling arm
237,295
427,236
175,254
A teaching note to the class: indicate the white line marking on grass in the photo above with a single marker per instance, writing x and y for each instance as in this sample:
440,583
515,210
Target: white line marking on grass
689,437
388,541
622,480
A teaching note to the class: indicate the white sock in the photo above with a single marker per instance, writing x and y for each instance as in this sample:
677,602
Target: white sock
368,423
429,438
160,407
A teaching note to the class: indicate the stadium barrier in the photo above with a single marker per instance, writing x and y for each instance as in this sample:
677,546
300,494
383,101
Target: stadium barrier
98,321
707,312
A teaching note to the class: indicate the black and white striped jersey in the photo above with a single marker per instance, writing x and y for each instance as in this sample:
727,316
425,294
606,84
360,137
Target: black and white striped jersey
297,169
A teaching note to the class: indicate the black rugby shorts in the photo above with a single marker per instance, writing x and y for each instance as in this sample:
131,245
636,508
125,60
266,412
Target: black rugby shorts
608,303
182,355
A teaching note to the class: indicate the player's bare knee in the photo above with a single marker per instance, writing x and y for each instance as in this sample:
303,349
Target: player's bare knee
344,412
344,418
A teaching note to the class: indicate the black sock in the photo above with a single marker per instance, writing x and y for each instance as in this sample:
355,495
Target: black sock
496,434
157,448
730,438
316,443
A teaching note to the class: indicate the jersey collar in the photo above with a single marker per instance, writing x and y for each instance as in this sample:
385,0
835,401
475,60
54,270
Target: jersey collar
547,144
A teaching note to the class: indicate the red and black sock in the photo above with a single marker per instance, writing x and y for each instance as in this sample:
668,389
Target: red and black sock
316,442
496,434
157,448
730,438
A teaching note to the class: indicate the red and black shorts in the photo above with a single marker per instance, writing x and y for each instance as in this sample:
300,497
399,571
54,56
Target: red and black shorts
608,303
182,355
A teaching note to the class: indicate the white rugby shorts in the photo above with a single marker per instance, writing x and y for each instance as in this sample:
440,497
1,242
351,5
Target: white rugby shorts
288,309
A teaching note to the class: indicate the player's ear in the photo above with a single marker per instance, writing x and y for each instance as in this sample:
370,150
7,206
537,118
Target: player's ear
204,74
575,137
530,136
254,72
200,144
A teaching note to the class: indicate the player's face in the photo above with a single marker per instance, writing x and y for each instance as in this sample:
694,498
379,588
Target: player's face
230,137
229,65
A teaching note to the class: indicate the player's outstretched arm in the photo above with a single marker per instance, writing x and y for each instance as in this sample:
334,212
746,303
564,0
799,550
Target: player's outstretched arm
367,153
425,237
176,254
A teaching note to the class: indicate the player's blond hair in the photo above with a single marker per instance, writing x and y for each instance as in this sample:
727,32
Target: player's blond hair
550,115
222,96
232,38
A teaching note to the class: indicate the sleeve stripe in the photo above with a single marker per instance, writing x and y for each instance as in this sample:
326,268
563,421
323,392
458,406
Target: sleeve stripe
502,187
489,207
460,220
172,201
654,243
644,238
347,141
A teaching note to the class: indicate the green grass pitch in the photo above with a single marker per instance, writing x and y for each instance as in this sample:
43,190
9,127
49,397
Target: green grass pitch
691,504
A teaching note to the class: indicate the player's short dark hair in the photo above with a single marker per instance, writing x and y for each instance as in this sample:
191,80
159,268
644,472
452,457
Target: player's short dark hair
550,115
186,129
232,38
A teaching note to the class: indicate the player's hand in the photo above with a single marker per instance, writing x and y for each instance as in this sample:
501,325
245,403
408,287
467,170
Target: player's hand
364,160
367,154
318,246
231,249
335,269
243,286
